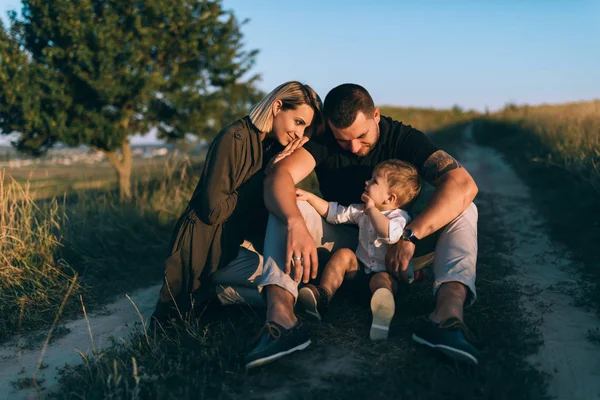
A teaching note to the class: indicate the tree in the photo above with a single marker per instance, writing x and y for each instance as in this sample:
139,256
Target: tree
95,72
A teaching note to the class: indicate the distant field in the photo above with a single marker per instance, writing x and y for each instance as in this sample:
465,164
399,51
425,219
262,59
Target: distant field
56,180
565,135
428,119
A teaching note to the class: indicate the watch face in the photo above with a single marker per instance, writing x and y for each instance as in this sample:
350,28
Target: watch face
407,234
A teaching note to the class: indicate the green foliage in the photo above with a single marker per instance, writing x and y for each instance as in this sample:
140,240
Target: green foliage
94,72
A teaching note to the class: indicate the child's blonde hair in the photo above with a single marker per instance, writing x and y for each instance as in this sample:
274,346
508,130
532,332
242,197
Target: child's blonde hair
292,95
402,178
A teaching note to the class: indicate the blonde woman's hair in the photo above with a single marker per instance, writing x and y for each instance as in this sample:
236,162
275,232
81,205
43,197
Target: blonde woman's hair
402,178
292,95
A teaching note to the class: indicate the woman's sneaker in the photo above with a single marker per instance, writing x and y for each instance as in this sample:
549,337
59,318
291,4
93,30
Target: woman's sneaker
383,307
314,301
274,341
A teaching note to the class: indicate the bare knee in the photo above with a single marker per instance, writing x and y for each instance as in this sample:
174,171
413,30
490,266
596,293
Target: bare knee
344,259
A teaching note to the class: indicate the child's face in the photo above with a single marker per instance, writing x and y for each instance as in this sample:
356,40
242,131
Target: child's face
377,188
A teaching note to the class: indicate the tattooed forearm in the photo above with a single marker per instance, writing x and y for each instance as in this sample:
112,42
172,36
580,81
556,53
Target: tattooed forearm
438,164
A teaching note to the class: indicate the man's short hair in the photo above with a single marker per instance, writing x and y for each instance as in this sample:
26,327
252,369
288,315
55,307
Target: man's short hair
402,178
343,103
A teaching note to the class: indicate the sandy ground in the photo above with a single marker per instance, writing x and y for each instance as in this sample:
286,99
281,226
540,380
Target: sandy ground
114,323
567,356
571,361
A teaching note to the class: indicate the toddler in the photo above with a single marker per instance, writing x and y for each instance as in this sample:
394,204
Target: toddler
381,221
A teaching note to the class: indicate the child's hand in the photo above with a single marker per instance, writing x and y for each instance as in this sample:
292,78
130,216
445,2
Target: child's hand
302,195
369,203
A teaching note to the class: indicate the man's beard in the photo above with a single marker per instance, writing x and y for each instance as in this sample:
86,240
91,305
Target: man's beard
367,148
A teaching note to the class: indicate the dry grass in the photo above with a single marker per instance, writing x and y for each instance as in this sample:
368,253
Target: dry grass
33,281
112,246
567,135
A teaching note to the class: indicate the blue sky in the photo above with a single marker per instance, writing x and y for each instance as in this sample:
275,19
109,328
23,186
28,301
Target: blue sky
431,53
475,54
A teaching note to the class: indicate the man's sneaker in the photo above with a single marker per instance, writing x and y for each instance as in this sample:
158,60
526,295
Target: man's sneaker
383,307
451,337
274,342
314,301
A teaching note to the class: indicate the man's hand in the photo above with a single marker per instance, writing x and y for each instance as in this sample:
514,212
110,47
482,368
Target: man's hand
301,254
397,258
369,203
289,149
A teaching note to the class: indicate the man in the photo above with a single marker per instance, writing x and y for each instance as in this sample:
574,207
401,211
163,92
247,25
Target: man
357,139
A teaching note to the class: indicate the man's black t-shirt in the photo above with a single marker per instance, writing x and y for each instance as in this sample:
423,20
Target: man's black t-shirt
342,175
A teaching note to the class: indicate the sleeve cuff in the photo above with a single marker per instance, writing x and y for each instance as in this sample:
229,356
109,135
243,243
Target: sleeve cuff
332,212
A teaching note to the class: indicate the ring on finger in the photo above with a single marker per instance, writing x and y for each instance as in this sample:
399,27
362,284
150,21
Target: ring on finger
296,258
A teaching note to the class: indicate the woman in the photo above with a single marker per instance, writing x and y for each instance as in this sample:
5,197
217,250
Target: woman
213,245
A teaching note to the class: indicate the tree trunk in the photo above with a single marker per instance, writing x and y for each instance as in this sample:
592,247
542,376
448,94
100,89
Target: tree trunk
123,166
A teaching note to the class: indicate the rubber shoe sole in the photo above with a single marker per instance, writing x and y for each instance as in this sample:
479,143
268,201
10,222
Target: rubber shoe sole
309,303
456,354
383,307
277,356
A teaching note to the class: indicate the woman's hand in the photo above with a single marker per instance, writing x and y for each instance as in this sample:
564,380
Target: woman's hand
301,254
303,195
289,149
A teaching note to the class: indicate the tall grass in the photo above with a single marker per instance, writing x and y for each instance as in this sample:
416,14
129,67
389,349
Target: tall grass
33,280
566,135
114,247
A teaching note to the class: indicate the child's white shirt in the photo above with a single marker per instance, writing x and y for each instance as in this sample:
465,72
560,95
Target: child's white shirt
372,248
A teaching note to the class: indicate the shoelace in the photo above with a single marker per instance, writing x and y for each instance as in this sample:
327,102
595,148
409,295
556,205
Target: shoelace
273,330
456,323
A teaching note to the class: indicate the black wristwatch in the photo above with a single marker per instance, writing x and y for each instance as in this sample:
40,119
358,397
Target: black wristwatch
409,236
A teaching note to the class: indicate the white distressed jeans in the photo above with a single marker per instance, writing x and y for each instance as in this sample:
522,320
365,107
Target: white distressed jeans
237,282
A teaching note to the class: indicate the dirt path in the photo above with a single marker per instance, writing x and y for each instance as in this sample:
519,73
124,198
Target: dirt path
115,322
567,356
